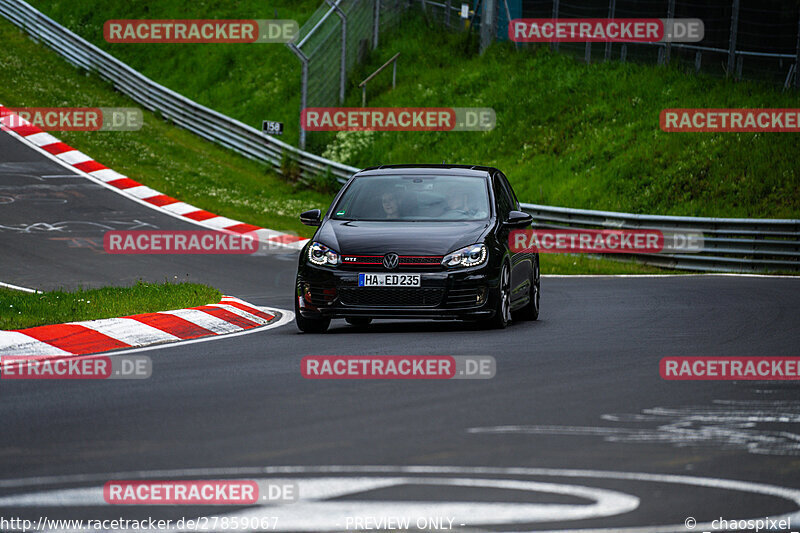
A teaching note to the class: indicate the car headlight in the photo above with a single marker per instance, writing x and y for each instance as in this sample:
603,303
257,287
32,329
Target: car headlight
469,256
319,254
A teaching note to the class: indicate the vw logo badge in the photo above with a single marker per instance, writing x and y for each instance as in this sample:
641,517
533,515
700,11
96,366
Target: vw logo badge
390,261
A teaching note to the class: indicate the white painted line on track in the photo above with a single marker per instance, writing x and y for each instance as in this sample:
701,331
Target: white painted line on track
336,479
18,288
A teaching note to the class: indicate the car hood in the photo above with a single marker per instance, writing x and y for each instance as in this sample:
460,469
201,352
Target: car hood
404,238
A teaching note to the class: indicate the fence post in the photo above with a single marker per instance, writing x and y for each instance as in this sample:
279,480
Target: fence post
698,58
376,20
447,14
488,23
797,58
670,15
587,54
303,91
343,60
612,8
732,42
554,45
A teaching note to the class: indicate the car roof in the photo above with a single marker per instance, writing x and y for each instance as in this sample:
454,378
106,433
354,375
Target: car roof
443,170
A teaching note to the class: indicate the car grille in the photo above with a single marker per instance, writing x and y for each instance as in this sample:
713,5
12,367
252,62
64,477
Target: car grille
369,263
390,297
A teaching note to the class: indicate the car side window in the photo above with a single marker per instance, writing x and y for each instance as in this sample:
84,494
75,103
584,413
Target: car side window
505,202
514,201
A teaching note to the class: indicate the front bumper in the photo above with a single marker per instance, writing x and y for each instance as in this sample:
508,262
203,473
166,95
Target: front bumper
468,294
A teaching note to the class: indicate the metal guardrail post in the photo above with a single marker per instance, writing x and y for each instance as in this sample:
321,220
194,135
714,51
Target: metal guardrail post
732,40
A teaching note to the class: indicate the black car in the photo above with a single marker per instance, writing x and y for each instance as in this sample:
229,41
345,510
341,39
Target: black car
417,242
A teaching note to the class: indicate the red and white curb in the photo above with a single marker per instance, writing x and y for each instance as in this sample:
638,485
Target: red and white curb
230,315
84,165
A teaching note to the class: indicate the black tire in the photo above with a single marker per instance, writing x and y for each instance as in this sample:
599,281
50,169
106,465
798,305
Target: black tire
502,313
309,325
357,321
531,309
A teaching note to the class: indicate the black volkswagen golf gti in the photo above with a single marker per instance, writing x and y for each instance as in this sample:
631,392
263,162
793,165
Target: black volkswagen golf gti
417,242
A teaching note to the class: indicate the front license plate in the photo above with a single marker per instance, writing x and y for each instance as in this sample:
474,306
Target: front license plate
389,280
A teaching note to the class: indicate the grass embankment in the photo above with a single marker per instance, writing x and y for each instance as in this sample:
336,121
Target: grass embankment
25,310
177,162
569,134
168,159
583,136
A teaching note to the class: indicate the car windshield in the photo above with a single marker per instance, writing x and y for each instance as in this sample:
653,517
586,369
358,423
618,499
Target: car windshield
414,198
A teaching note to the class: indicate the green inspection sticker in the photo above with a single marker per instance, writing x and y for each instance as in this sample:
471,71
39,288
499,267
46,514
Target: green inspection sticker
340,213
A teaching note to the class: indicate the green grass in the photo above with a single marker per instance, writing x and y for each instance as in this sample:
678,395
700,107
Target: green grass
168,159
178,163
25,310
568,134
250,82
583,136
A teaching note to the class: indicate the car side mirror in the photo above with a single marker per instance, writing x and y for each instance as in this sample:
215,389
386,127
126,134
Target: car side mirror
518,219
311,218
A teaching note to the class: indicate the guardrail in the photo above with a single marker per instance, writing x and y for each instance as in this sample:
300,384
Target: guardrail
186,113
731,244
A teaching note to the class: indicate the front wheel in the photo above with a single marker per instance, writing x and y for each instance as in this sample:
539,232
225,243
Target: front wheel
502,312
309,325
531,309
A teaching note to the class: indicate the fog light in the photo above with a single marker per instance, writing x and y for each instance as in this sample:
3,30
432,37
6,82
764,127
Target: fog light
481,296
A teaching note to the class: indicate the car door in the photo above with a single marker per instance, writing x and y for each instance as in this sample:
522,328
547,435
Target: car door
521,266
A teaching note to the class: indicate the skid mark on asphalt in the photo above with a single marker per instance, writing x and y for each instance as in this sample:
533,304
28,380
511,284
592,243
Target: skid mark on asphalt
727,425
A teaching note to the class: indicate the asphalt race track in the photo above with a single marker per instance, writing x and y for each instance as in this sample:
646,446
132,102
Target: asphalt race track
576,431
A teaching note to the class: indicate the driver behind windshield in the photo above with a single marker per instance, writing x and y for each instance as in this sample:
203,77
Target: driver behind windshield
457,203
391,205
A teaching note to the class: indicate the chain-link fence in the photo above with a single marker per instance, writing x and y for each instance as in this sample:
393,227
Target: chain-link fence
744,39
757,40
333,40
